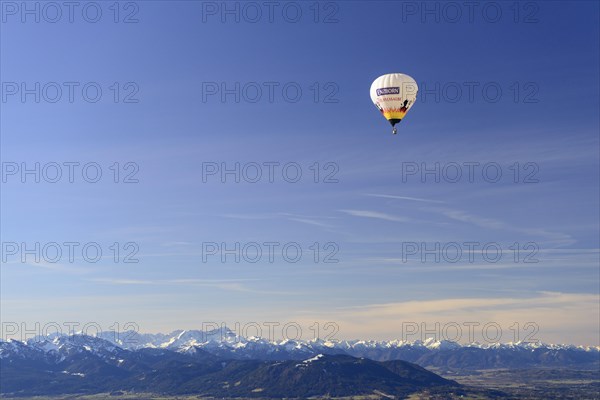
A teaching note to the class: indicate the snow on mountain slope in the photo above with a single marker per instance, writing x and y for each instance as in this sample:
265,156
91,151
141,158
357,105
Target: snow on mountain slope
226,343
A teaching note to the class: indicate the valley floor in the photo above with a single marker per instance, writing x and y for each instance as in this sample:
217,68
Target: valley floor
525,384
534,383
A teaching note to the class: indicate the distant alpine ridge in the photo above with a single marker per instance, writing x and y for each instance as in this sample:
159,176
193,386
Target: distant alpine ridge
225,343
81,364
223,364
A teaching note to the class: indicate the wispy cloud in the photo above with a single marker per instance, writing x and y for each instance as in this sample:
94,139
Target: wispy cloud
472,219
310,220
176,244
491,223
304,219
375,215
112,281
389,196
123,281
416,265
70,269
236,285
250,216
554,316
439,307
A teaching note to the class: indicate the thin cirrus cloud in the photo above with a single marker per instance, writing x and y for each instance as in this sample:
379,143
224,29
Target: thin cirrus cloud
389,196
490,223
440,306
176,244
462,216
555,315
482,222
309,220
375,215
416,265
71,269
236,285
544,316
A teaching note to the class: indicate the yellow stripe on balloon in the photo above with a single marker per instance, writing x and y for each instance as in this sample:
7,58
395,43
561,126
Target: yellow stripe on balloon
392,114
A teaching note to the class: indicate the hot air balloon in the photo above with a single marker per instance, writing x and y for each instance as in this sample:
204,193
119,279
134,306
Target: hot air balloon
394,95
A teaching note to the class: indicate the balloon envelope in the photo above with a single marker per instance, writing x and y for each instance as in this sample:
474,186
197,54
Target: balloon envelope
394,95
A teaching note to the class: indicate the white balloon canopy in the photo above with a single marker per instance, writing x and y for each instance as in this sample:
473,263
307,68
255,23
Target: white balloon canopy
394,95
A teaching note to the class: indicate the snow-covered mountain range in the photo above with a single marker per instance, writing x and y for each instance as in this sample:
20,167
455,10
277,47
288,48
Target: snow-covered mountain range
225,343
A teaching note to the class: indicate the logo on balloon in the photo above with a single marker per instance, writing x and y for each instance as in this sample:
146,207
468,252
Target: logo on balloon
388,90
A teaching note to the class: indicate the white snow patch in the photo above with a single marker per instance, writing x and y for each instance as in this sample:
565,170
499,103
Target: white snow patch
315,358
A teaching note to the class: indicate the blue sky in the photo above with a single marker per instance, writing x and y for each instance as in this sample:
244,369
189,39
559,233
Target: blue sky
371,208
